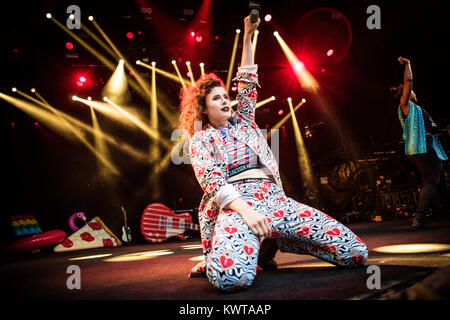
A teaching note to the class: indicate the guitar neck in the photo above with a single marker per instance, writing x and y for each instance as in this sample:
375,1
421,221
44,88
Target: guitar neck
192,226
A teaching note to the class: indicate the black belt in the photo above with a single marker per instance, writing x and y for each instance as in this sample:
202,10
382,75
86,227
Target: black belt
251,180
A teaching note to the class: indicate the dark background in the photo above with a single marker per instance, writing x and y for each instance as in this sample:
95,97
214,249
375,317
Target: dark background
353,116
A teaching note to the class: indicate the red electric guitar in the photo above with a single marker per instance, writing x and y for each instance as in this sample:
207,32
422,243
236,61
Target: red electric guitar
159,223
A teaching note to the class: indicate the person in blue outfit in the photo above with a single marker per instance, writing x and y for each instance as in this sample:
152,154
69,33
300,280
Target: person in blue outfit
422,147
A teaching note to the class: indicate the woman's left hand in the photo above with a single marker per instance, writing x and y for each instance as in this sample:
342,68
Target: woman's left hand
250,27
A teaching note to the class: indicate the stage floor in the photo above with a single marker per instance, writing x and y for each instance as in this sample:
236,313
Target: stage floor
159,271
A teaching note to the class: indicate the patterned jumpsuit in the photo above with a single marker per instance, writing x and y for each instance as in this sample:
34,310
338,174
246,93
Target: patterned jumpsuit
230,247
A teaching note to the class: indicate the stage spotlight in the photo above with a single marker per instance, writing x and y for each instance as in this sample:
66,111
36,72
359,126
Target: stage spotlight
330,52
89,98
33,90
90,18
130,35
238,31
69,45
153,63
138,62
299,66
48,15
188,63
173,62
81,80
192,34
74,98
267,17
289,99
272,97
14,89
303,100
105,98
71,16
280,112
276,33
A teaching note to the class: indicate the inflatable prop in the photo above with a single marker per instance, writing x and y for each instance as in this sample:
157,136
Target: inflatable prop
159,223
30,236
75,216
95,234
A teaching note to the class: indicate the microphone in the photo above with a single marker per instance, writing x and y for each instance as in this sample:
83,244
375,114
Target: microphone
254,15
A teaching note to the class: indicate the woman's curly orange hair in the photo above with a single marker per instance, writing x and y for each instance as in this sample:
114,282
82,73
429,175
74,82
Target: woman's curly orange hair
193,103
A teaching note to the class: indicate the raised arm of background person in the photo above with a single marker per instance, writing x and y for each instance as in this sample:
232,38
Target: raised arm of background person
407,85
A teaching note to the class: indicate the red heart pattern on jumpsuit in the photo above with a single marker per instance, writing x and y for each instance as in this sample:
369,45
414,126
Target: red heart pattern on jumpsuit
248,250
226,261
230,229
304,231
259,196
357,259
279,214
305,214
334,232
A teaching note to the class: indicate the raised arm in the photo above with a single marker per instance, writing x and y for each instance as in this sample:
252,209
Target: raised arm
247,47
247,74
407,85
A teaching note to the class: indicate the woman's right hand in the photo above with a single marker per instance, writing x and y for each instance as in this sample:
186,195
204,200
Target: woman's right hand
257,222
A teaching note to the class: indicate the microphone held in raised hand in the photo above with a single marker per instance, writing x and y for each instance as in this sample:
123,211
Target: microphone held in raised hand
254,15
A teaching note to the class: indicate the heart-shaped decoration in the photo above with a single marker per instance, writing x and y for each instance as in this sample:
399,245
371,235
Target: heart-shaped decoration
226,261
206,244
282,199
230,229
248,250
211,213
357,259
334,232
264,189
330,248
279,214
259,196
304,231
305,214
267,184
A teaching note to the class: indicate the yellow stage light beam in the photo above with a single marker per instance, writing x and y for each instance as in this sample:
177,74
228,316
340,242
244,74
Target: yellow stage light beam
174,63
191,74
117,86
233,56
305,79
140,86
285,118
88,47
99,41
138,78
255,41
135,154
166,74
54,121
304,163
202,68
99,141
154,147
146,129
154,108
263,102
